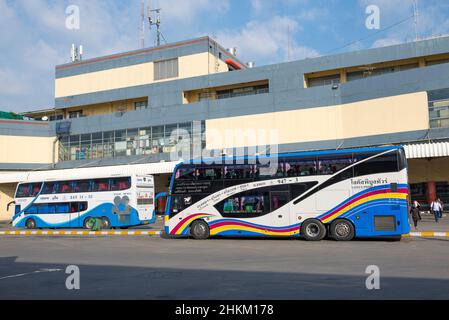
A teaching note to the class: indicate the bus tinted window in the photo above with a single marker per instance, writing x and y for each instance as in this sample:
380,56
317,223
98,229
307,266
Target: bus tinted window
209,173
120,184
238,172
185,173
23,191
328,165
35,189
82,186
297,167
56,208
248,204
50,188
380,164
299,188
101,185
65,187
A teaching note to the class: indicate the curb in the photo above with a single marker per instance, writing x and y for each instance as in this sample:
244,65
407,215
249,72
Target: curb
427,234
80,233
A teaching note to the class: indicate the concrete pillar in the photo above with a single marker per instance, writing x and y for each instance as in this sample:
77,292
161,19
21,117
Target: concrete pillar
431,191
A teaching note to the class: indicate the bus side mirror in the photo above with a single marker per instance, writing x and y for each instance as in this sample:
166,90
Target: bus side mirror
9,205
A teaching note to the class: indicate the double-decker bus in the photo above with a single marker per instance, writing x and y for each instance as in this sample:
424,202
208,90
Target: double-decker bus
341,194
120,201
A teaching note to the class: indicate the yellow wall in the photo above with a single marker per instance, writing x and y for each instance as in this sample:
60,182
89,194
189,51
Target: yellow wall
16,149
371,117
136,75
6,196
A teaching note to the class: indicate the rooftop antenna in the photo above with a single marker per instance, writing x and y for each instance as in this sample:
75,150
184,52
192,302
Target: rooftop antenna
156,21
76,53
416,15
142,25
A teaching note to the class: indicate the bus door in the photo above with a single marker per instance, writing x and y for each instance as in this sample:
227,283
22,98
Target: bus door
145,197
280,210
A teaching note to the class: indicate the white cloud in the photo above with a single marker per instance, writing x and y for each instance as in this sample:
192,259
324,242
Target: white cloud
186,12
266,40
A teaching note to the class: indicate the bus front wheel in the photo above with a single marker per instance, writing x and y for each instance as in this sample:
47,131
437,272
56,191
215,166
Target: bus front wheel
30,224
313,230
199,230
342,230
86,224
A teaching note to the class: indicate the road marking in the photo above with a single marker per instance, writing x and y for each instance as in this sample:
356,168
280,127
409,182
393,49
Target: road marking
428,234
29,273
81,233
157,233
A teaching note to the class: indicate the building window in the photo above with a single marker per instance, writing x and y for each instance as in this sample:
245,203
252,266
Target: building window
240,92
76,114
439,114
324,81
130,142
142,105
166,69
56,118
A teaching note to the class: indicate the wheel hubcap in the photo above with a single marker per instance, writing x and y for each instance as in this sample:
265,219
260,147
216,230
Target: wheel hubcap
200,229
342,230
313,230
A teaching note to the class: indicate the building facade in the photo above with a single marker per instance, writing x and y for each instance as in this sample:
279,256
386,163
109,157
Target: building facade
123,109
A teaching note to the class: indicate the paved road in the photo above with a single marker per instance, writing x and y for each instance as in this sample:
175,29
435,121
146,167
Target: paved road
157,268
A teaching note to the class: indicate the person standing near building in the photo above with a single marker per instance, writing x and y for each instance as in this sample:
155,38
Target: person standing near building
437,209
416,216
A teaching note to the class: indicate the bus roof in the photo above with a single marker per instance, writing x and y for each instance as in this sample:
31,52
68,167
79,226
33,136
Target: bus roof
295,154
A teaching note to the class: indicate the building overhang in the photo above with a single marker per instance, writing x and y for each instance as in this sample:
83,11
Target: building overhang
427,150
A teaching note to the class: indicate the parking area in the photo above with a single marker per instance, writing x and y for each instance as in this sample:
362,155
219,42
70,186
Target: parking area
158,268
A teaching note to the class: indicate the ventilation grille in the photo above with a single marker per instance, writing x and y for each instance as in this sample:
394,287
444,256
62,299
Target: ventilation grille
385,223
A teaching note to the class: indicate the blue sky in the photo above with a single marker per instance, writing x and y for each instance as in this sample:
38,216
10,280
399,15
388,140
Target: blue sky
33,36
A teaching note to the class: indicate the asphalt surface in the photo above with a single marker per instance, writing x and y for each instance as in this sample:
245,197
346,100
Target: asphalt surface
243,269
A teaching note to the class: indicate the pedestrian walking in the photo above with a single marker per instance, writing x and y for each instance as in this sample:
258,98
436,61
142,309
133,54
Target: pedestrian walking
442,207
416,216
436,209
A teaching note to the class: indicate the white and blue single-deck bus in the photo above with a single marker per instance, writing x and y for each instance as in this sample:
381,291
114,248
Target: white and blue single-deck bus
120,201
341,194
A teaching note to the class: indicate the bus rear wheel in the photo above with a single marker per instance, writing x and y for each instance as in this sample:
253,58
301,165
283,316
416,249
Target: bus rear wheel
342,230
199,230
105,223
313,230
30,224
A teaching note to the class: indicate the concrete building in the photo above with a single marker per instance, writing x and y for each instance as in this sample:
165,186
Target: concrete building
122,109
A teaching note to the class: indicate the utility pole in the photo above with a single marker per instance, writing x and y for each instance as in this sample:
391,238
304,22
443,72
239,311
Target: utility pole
156,22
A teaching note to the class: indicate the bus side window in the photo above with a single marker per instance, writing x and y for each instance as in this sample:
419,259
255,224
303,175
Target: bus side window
66,187
82,186
82,206
120,184
62,208
23,191
17,209
102,185
36,188
31,210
